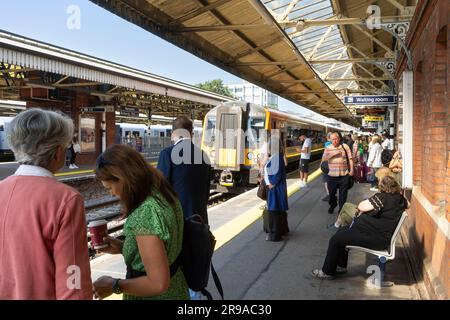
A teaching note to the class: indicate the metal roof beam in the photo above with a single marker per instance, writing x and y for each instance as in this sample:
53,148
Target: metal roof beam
351,60
358,79
77,84
322,39
197,12
288,9
302,24
379,42
326,74
264,63
218,28
258,48
397,5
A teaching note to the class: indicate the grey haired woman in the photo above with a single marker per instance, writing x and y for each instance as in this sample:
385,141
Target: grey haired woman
43,239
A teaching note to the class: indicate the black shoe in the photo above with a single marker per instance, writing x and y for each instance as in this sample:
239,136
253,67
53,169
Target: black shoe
273,239
331,210
326,198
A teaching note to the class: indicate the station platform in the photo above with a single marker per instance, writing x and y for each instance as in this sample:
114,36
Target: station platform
251,268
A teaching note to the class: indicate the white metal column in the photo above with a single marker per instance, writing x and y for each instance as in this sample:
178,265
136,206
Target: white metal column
391,127
408,112
103,131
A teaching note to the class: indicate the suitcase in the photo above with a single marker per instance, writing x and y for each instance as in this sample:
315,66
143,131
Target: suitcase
360,173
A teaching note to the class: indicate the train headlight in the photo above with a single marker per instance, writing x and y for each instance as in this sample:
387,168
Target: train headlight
250,155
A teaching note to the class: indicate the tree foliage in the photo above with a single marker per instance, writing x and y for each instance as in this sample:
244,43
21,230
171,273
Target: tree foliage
216,86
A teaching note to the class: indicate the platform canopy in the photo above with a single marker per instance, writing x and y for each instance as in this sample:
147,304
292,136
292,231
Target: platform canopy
311,52
27,64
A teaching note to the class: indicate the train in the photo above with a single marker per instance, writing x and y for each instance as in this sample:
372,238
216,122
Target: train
128,131
5,151
235,157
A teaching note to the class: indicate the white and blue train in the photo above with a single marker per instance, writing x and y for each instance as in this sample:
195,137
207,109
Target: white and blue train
5,151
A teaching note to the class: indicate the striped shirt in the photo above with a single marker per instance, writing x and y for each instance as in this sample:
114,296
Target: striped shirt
337,164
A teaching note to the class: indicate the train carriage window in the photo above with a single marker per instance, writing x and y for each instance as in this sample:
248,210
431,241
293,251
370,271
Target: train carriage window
136,133
2,128
161,134
255,125
210,129
168,132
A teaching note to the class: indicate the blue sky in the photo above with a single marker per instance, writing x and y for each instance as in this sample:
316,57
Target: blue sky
106,36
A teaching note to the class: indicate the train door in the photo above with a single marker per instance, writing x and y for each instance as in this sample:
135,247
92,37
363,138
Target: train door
228,151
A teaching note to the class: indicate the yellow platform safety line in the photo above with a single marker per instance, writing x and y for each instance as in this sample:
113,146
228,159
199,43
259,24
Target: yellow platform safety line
297,154
232,228
62,174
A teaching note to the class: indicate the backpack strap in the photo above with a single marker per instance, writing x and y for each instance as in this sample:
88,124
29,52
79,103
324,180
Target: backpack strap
216,281
174,266
206,293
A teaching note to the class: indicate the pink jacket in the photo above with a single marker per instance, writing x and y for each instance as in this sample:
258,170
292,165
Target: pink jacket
43,240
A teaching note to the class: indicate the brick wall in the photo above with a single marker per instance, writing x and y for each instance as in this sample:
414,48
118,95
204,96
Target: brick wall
429,45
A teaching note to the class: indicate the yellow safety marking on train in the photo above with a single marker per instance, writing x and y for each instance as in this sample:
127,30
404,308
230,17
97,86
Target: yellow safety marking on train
227,157
232,228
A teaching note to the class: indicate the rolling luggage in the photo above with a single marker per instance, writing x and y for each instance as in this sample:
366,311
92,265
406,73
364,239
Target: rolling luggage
360,173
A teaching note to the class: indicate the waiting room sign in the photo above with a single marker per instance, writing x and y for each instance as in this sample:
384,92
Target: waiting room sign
371,100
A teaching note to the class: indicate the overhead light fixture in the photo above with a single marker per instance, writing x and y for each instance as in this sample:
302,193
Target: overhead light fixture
300,26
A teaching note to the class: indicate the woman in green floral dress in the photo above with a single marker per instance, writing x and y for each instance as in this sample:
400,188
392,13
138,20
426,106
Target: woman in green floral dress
153,229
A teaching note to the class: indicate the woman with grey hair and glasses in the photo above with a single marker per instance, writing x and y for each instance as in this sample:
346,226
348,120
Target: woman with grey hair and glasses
44,251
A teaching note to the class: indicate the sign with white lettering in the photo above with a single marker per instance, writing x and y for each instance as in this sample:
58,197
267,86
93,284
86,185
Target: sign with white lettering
129,112
370,100
98,109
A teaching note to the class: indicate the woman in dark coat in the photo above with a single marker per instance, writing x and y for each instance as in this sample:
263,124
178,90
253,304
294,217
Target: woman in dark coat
372,228
277,200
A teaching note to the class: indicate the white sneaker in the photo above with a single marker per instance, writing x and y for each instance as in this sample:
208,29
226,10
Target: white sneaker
374,189
71,166
302,184
75,166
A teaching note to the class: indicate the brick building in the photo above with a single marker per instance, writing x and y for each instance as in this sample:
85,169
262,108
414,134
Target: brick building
423,127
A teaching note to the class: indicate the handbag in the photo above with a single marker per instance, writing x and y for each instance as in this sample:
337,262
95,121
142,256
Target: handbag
76,148
324,167
262,190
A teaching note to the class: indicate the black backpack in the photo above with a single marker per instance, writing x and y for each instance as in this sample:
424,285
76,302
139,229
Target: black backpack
196,255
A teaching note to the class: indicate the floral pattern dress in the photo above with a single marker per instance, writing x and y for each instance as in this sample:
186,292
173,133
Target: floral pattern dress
155,216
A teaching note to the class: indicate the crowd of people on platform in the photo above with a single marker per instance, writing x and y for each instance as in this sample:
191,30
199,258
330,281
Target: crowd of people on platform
347,159
44,243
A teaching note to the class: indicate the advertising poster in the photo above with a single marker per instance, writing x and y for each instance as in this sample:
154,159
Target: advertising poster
87,134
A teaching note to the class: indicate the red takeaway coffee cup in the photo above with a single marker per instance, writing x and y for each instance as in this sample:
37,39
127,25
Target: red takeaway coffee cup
98,230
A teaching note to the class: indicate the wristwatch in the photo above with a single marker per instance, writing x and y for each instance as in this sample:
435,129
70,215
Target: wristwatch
116,287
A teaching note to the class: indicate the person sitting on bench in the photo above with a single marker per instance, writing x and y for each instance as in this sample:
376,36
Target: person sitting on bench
373,228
